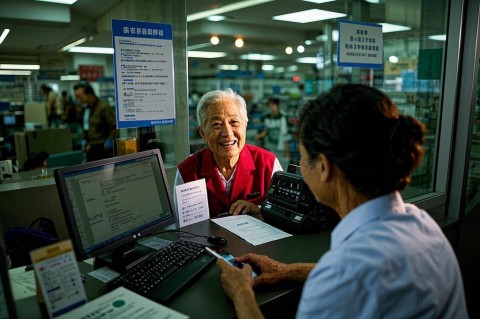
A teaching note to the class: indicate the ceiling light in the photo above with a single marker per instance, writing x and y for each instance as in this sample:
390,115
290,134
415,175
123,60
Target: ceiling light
292,68
387,27
393,59
319,1
205,54
214,40
289,50
70,77
20,66
239,42
300,49
15,72
309,16
372,1
268,67
335,35
4,35
224,9
216,18
228,67
60,1
308,42
96,50
73,44
311,60
438,37
280,69
257,57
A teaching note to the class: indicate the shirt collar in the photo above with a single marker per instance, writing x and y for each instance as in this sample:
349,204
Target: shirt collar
366,212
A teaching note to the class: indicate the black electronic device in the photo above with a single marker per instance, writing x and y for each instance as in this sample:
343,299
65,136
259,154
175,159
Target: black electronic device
110,204
290,205
217,240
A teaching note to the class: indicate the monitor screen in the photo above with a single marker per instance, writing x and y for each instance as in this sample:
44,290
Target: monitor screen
9,119
110,204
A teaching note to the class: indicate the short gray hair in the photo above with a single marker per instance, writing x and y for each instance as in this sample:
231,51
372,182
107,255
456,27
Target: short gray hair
214,97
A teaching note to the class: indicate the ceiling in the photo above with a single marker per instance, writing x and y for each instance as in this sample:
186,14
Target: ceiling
32,33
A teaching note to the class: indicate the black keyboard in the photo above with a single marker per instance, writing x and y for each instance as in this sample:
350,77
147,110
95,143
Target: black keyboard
166,271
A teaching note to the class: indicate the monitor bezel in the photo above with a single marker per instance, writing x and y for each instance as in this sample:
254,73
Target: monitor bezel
62,189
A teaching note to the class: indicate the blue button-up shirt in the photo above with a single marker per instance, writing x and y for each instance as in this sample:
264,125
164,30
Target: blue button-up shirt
388,259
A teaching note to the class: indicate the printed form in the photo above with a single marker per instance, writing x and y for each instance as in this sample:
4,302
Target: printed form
253,230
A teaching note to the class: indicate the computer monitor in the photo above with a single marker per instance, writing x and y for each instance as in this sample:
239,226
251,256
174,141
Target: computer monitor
110,204
9,120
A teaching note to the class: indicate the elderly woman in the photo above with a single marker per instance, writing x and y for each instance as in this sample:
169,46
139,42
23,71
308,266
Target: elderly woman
388,259
237,175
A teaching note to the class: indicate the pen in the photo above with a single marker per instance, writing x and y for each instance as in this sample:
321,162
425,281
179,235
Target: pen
223,215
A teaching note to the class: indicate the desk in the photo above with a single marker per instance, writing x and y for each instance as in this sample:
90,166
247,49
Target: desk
205,298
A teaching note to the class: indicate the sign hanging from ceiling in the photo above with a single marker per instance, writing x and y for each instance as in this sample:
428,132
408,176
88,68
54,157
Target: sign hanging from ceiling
143,63
360,44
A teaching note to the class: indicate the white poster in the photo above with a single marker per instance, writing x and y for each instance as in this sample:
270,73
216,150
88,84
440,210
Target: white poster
143,63
360,44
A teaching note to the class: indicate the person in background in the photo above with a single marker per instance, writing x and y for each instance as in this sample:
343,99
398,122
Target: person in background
388,258
101,124
73,117
275,135
37,160
237,175
53,106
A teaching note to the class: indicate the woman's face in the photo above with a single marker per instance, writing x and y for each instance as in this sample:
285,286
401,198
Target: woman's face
224,129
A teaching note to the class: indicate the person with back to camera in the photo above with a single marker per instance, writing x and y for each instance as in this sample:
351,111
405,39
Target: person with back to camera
388,259
237,175
101,123
52,105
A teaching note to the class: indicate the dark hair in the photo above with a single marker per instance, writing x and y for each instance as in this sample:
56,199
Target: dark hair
35,161
274,100
87,88
358,128
45,87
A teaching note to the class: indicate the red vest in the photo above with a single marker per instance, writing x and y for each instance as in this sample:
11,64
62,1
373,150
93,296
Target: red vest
250,183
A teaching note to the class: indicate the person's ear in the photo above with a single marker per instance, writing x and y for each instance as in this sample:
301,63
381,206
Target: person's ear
324,167
202,133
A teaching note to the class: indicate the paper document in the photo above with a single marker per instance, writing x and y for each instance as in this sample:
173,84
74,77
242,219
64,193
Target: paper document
251,229
122,303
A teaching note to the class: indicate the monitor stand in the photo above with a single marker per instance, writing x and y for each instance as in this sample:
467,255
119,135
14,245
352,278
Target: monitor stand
123,258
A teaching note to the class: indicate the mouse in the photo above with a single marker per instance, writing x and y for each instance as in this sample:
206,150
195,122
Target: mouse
217,240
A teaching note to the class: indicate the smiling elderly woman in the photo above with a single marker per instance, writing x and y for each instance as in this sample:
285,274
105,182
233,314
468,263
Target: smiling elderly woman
237,175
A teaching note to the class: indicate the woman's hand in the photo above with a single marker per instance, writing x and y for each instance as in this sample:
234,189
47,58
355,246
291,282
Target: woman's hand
243,207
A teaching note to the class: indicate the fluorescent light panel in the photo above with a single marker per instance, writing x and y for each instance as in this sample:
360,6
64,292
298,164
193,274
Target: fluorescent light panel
70,78
60,1
310,60
438,37
96,50
228,67
205,54
387,27
15,72
19,66
4,35
257,57
319,1
228,8
73,44
307,16
216,18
